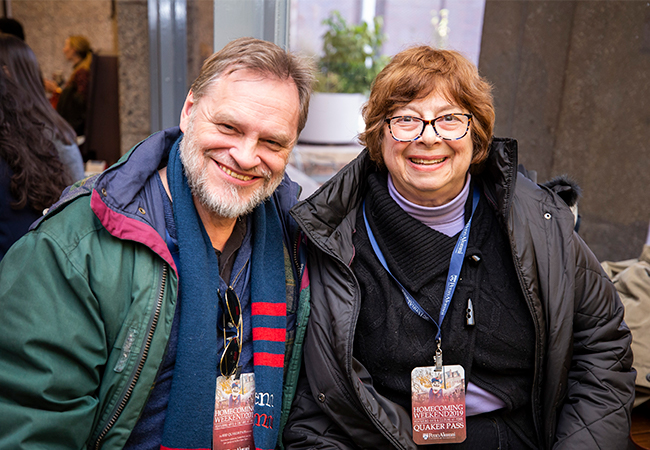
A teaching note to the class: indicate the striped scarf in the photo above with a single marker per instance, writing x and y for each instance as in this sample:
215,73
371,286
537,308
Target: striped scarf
189,420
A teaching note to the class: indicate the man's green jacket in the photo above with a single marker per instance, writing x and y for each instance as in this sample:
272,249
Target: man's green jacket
87,300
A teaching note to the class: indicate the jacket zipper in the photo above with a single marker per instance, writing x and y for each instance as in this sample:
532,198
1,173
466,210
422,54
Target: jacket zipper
348,358
143,358
295,260
380,426
538,352
529,302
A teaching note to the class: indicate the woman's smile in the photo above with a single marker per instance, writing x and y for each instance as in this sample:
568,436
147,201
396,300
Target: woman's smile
426,162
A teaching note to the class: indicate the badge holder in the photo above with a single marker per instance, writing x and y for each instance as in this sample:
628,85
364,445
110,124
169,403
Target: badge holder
233,412
438,403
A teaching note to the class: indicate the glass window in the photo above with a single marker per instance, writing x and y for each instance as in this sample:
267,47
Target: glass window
448,24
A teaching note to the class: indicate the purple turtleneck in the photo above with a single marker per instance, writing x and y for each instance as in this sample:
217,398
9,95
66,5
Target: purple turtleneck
448,219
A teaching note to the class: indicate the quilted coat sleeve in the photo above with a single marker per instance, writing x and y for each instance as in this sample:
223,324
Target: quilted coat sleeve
309,427
595,413
52,348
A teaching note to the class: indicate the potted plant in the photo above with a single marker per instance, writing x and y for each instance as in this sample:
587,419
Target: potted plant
351,59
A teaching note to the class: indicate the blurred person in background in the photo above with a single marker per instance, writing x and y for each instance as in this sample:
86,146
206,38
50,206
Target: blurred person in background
31,175
20,63
71,100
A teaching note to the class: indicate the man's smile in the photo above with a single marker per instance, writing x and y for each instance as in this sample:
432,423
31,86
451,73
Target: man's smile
235,174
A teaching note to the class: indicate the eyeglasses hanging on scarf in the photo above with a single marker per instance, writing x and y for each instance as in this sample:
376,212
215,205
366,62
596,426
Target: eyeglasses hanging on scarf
232,318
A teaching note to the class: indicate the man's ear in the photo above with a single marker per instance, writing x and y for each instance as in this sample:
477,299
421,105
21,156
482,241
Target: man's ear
185,112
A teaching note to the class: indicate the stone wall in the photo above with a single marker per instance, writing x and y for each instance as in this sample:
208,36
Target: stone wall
572,85
135,103
200,36
117,27
47,23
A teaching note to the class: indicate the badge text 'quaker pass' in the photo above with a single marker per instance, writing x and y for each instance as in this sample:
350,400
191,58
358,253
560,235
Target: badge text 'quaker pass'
438,403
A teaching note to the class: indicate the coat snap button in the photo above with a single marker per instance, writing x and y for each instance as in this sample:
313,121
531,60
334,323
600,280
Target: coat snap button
547,216
321,397
104,192
141,209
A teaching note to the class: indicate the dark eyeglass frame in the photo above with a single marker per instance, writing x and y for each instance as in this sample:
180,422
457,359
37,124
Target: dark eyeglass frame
232,317
431,122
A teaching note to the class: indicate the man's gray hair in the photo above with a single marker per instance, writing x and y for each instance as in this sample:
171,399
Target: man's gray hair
263,57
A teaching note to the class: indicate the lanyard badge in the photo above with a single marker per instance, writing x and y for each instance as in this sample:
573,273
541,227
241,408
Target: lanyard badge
234,412
437,392
438,405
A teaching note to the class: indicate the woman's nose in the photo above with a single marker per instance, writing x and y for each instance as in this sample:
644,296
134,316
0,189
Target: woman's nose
429,134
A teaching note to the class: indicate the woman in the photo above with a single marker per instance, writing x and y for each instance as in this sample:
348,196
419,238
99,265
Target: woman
531,349
72,100
20,63
31,175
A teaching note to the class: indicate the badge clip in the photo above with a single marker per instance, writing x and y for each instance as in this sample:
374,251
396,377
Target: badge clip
438,357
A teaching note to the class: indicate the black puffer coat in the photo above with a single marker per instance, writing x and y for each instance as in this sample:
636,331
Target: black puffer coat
583,384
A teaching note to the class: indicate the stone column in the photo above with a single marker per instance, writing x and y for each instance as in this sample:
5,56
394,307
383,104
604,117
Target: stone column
133,38
571,83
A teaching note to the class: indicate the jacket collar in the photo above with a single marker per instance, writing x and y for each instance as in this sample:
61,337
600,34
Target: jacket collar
126,198
335,203
499,174
126,178
121,184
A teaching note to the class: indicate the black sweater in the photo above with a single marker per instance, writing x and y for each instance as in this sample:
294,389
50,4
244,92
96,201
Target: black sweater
390,340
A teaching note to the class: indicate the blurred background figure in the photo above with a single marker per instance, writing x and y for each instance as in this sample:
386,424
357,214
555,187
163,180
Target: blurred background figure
71,100
31,175
20,64
12,26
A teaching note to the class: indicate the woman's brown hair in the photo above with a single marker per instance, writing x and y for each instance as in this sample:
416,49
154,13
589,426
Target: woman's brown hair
38,176
414,74
19,62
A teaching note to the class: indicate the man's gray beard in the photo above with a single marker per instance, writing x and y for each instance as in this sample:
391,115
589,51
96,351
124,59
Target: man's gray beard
227,203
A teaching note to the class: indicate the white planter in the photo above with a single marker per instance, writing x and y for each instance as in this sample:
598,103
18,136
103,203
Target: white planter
333,118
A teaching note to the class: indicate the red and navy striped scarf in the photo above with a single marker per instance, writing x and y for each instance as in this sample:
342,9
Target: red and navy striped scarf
189,419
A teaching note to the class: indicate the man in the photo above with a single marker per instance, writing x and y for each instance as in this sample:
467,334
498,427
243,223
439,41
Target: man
125,308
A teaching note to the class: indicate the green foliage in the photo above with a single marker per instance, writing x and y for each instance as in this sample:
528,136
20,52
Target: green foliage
351,55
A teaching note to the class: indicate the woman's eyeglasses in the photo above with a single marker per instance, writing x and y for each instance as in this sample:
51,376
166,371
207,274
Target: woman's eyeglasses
450,127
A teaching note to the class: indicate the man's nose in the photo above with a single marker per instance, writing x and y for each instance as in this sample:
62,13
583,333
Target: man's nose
245,154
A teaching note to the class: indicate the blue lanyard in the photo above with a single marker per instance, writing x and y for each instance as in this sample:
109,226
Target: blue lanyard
455,265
